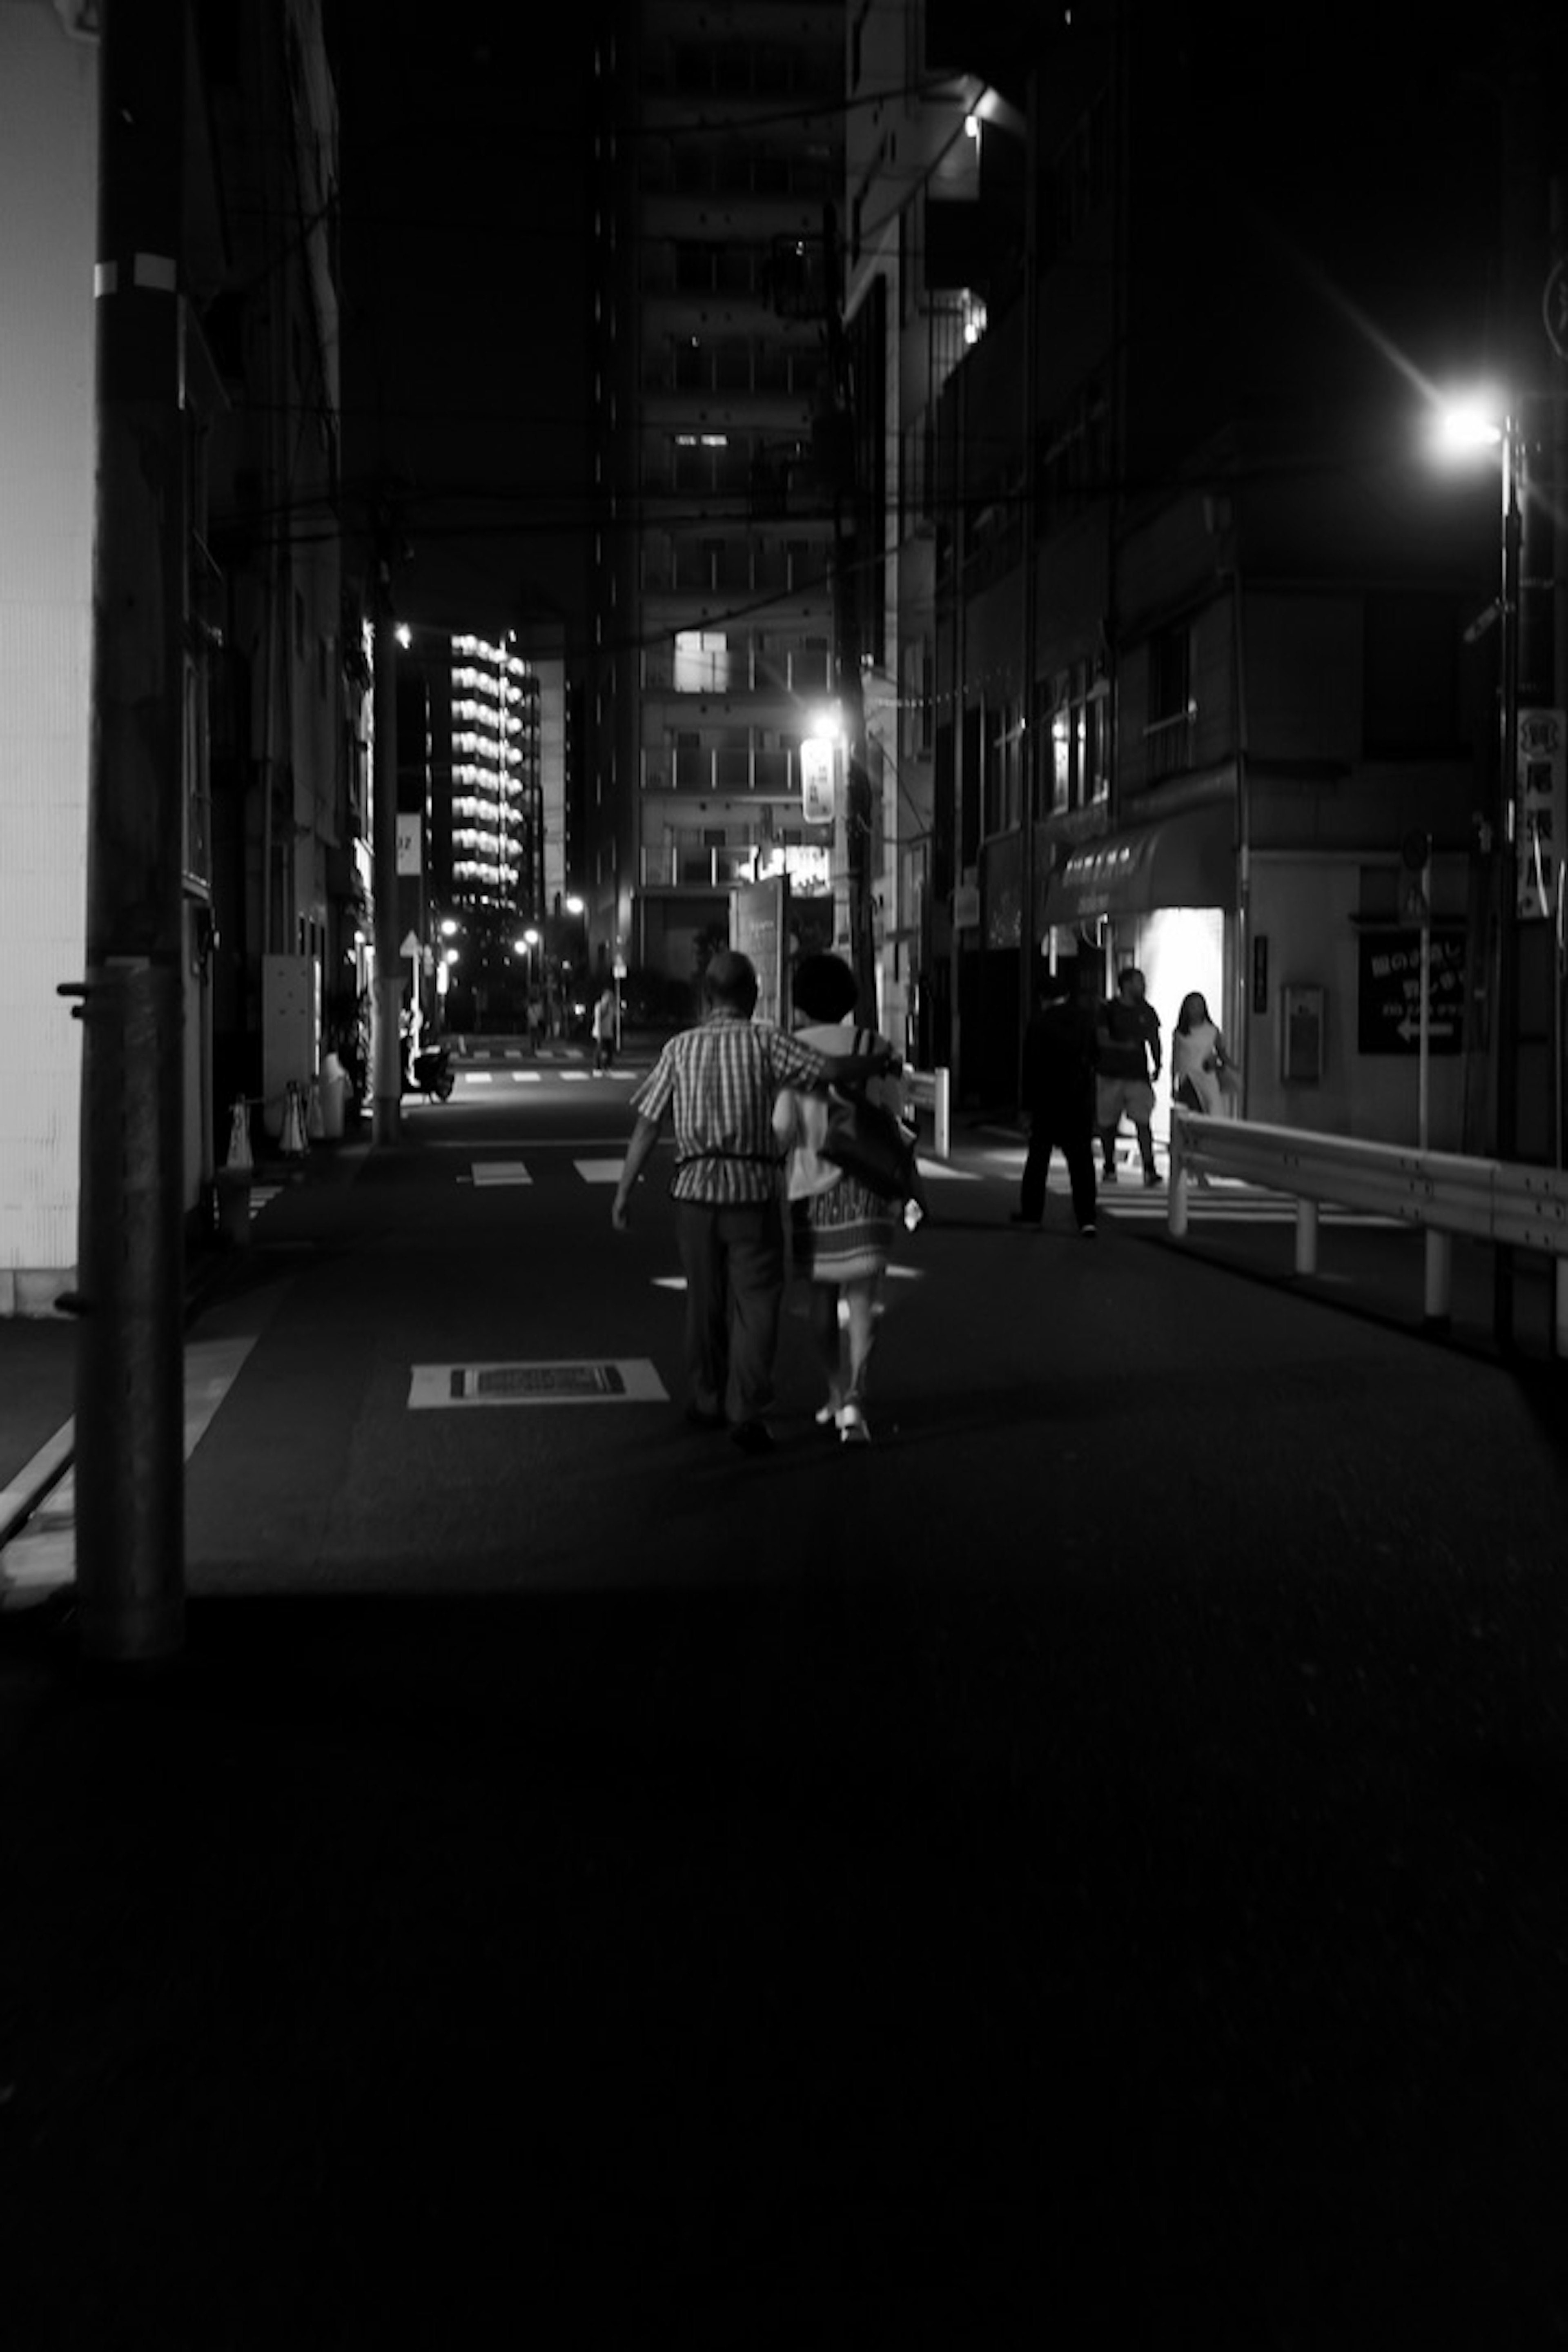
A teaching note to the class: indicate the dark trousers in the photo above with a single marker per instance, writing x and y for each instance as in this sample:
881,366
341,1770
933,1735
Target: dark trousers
1075,1142
733,1261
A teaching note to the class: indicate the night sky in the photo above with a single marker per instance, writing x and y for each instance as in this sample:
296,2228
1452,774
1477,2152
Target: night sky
465,166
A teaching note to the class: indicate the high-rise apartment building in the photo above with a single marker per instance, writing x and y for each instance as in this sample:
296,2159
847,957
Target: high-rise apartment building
720,141
496,819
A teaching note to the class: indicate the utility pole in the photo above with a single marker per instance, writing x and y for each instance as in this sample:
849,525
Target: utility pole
853,830
387,1003
1029,752
130,1377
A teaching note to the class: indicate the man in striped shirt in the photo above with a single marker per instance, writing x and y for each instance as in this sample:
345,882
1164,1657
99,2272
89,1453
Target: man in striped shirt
719,1082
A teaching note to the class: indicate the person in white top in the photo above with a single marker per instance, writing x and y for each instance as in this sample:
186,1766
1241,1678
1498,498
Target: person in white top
1200,1066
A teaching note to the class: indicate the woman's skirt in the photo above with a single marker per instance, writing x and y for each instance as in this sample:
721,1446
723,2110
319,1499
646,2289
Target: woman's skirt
844,1235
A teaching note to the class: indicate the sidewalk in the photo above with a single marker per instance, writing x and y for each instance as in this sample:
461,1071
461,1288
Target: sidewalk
38,1353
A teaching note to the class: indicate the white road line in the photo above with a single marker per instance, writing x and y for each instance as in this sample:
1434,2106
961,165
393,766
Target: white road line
500,1172
525,1078
43,1557
599,1172
480,1077
942,1172
40,1472
575,1078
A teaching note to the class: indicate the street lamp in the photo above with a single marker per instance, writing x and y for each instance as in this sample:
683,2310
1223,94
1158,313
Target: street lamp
1469,428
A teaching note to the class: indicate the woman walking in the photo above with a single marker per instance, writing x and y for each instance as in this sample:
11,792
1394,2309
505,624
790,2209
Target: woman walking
842,1233
1200,1066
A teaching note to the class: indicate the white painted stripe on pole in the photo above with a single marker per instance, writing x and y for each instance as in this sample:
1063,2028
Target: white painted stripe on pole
626,1380
500,1172
599,1172
105,278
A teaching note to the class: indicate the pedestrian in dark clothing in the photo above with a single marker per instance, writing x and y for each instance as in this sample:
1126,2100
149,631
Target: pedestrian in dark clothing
1059,1060
1130,1059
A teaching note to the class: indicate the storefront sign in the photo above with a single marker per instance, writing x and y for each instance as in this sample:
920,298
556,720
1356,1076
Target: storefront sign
818,776
1542,812
1388,995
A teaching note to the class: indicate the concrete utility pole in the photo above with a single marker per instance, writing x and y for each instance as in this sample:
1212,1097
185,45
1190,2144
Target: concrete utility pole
1028,750
386,1044
837,455
129,1382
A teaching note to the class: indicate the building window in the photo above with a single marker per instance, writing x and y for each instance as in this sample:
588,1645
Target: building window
1167,732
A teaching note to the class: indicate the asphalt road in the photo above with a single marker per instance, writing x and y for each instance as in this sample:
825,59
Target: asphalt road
1085,1869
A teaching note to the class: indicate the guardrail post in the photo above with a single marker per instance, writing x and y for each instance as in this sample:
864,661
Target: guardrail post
1306,1237
1177,1201
1439,1275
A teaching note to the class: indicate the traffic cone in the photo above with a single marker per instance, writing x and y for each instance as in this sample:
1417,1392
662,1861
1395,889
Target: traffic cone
293,1145
315,1126
239,1162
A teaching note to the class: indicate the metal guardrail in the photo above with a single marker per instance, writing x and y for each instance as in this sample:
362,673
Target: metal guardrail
1444,1193
929,1094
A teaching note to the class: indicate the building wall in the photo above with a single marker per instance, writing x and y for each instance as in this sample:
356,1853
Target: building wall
712,614
48,124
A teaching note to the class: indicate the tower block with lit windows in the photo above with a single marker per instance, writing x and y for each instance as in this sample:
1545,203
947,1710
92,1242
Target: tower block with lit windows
720,141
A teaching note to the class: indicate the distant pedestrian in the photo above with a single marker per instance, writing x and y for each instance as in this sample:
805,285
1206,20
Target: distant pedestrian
1061,1055
719,1082
605,1024
842,1233
535,1020
1129,1062
1200,1066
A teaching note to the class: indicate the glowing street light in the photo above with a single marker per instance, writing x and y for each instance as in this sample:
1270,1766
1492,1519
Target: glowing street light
1471,427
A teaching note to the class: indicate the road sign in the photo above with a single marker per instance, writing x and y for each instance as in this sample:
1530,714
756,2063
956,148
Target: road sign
410,844
1388,998
410,945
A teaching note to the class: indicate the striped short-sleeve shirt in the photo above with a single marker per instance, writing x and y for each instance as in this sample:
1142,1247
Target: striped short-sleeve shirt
720,1083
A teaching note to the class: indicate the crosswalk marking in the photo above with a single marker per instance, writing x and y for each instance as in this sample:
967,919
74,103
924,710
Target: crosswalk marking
480,1077
573,1077
599,1172
500,1172
525,1078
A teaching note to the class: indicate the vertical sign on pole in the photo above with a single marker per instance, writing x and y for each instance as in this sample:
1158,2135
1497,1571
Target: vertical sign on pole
1542,812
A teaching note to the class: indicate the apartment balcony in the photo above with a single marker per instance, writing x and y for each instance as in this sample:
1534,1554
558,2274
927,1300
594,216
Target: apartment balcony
720,772
672,866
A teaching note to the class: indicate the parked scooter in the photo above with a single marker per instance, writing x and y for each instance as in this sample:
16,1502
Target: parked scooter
429,1073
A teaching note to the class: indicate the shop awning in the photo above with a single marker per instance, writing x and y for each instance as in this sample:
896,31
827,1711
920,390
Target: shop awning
1187,860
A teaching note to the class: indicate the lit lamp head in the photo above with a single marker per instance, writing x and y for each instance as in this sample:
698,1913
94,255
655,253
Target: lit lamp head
1466,428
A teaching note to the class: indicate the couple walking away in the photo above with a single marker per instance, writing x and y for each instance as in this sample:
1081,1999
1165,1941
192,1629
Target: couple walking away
719,1084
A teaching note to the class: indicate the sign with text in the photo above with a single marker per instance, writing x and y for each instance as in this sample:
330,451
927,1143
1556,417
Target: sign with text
818,777
1388,994
759,927
410,844
1542,814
